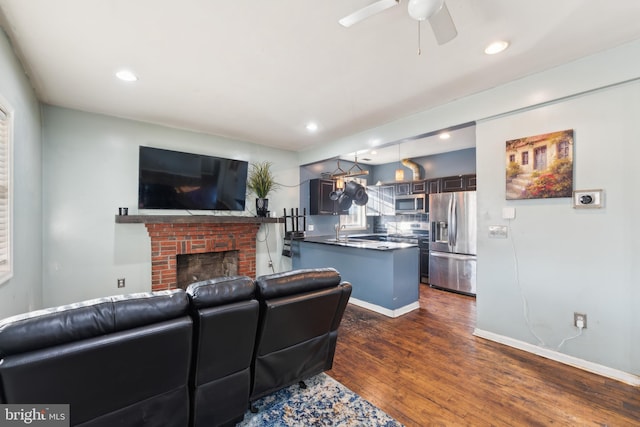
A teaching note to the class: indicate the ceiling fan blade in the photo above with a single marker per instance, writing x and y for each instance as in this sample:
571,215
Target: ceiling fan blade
366,12
442,25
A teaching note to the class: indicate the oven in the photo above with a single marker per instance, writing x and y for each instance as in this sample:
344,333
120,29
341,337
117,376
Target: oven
411,204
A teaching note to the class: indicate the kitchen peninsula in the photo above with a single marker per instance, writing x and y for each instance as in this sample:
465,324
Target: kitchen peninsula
384,275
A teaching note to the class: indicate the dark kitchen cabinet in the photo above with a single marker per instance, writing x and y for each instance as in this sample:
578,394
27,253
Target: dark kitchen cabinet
458,183
423,245
320,202
471,182
424,265
403,188
452,183
433,185
418,187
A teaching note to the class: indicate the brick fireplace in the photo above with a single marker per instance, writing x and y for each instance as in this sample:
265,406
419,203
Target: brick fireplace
173,235
170,240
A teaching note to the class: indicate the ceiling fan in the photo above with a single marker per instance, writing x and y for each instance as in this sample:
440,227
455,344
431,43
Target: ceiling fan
435,11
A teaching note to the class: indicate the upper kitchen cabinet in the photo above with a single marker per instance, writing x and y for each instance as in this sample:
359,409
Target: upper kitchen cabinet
320,202
418,187
381,200
470,182
410,187
402,188
433,185
458,183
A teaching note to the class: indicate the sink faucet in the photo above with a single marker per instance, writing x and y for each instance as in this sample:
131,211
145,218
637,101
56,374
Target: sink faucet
338,227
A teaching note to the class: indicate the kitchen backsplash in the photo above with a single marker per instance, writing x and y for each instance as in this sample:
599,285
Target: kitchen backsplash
388,224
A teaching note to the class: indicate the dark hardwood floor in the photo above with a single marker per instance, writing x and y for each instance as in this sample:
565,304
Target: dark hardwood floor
427,369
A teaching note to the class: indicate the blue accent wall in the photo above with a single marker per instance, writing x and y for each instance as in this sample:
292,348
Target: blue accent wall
459,162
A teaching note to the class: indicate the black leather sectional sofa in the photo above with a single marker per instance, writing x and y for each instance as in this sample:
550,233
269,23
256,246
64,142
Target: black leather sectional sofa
175,358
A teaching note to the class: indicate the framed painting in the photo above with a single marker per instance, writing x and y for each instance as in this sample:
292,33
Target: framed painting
540,167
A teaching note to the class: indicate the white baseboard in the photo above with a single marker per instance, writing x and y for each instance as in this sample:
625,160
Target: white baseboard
595,368
387,312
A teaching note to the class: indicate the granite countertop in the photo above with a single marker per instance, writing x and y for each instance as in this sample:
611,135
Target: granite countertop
358,243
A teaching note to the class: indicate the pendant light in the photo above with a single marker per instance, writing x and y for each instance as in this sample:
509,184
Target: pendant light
399,171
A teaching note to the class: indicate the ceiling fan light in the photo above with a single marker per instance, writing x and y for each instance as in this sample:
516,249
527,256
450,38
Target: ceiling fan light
424,9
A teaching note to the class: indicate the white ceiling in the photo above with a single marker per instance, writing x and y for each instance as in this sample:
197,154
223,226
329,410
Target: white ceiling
260,70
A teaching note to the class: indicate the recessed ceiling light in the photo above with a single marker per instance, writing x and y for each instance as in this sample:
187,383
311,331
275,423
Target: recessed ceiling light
496,47
312,127
126,75
444,135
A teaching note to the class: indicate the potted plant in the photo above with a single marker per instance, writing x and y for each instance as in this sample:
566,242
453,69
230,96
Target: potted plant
261,182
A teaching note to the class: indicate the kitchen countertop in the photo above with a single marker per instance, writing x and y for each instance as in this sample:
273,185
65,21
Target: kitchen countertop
358,243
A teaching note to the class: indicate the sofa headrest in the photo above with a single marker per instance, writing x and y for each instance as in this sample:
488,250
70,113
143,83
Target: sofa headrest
82,320
296,281
221,290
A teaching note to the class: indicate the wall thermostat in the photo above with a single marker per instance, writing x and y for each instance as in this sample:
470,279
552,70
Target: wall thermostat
588,198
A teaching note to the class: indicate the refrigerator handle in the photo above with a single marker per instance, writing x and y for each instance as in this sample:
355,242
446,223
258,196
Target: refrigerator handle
454,220
449,225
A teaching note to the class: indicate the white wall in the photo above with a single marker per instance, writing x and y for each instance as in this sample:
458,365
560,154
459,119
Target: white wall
568,260
91,169
24,291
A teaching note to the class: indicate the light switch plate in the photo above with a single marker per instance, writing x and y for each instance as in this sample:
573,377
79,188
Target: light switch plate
588,199
508,213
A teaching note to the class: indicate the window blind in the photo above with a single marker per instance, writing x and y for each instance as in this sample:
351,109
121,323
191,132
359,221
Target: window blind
5,193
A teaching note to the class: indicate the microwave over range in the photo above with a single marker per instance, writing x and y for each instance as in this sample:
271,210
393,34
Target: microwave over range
411,204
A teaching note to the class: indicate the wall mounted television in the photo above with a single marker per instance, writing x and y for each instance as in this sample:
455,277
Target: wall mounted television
175,180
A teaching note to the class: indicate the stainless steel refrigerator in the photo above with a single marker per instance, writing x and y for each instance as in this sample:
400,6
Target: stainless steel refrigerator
452,252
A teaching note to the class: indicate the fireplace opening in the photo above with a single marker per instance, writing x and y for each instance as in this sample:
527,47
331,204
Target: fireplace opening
191,268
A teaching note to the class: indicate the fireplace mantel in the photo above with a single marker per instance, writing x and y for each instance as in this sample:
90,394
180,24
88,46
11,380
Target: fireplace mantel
194,219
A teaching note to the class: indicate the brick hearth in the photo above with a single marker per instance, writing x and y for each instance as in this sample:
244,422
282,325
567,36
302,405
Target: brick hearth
170,239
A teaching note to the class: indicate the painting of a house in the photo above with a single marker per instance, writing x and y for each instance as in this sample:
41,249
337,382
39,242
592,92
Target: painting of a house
540,166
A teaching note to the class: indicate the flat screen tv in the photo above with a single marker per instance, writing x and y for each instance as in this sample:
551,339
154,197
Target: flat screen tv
175,180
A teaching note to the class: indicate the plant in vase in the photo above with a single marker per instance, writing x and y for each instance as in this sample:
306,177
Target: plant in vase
261,182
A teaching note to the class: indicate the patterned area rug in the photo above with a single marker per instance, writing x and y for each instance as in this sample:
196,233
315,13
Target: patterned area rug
325,402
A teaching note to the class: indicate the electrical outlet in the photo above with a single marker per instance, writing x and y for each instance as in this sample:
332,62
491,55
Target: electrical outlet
580,318
270,263
121,283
